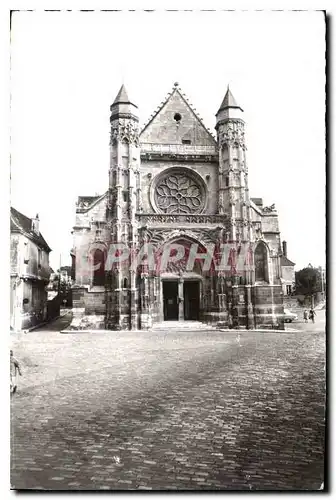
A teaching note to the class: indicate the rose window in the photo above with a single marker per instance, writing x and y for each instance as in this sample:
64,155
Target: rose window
179,193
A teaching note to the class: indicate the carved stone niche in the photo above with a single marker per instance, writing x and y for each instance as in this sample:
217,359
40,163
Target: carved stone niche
232,197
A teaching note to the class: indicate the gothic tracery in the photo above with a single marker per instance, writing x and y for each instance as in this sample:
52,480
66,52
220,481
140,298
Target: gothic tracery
179,193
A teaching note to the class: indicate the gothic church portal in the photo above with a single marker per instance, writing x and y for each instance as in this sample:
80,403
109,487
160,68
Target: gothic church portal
174,182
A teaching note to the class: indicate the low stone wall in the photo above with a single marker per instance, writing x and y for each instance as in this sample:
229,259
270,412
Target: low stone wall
53,308
215,319
268,307
82,321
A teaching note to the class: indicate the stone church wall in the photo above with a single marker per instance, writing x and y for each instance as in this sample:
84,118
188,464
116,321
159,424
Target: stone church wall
207,171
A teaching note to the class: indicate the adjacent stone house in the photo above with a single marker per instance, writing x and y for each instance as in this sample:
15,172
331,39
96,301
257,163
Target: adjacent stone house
30,272
174,182
287,272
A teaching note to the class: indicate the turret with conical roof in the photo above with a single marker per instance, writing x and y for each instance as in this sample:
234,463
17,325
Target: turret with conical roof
124,202
233,179
122,96
228,109
122,106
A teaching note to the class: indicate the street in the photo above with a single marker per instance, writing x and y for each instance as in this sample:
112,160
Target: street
174,410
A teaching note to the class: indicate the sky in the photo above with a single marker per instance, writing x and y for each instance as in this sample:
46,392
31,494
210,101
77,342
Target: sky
67,67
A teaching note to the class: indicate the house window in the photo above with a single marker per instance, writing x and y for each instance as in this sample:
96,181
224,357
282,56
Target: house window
26,253
99,268
288,289
186,141
39,257
125,283
226,181
260,261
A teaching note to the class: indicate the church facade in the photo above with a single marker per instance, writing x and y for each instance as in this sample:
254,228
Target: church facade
176,236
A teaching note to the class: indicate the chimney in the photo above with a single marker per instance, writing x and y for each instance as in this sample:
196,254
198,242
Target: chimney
36,224
284,248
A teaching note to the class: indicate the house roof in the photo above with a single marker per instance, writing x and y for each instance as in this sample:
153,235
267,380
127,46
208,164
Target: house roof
65,268
284,261
19,223
257,201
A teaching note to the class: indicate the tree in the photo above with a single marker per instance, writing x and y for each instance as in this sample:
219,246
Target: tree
308,281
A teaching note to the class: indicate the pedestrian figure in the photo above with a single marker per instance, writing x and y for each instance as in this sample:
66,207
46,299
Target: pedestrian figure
312,315
14,371
305,316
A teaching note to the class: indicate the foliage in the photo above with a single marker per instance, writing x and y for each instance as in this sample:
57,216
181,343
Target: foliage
308,281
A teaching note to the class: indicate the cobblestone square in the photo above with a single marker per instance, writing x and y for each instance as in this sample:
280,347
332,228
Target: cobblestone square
169,410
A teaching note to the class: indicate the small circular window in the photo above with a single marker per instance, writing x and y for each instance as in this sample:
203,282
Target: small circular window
177,117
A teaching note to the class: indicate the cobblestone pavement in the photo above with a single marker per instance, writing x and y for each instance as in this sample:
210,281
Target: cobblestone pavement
183,411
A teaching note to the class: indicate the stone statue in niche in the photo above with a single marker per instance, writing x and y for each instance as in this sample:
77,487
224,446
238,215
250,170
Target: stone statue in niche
232,197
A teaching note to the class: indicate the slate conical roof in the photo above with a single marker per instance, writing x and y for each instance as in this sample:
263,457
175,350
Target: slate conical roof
122,97
229,101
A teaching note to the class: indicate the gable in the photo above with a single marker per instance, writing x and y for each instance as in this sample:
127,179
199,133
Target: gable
91,208
285,262
176,123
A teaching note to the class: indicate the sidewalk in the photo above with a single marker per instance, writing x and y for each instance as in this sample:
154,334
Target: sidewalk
63,313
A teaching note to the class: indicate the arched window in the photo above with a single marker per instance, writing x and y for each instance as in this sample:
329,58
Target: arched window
125,283
124,148
260,261
98,268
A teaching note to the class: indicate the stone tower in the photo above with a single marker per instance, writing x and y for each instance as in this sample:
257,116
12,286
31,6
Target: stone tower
233,193
124,198
233,180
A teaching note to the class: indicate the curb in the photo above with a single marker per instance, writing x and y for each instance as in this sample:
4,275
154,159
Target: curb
263,331
103,331
180,331
27,330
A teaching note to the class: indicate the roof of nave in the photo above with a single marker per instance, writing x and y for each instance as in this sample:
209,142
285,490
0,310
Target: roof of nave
20,223
177,100
88,199
87,202
284,261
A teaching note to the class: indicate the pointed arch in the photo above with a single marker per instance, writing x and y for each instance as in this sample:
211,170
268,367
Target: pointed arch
124,147
185,239
97,255
261,262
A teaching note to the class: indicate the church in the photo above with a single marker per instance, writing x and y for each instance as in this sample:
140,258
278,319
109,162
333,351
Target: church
175,185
